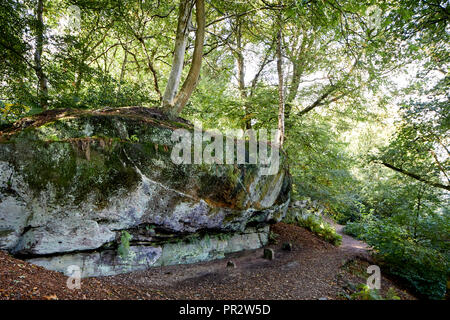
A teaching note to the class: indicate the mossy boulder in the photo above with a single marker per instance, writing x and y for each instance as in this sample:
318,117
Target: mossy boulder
72,180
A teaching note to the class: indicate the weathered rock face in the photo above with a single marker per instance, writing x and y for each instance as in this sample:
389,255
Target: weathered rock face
72,181
140,257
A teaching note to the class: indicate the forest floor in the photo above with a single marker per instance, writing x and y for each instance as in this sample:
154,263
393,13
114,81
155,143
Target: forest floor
314,269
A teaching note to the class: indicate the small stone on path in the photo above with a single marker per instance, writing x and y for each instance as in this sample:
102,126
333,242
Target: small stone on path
269,254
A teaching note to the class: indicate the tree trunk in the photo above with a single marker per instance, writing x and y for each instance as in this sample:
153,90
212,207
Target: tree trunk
298,64
240,61
280,89
419,198
241,72
190,83
79,77
295,83
179,52
42,79
122,72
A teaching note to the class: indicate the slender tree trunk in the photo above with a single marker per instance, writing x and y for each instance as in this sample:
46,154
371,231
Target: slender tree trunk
181,99
194,72
241,72
42,79
280,88
419,198
179,52
241,85
241,75
293,89
122,72
79,77
298,62
240,60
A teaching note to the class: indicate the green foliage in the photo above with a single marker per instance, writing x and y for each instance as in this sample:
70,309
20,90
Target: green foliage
134,138
315,224
420,264
320,165
361,224
11,112
273,237
365,293
224,236
356,229
124,247
193,238
408,227
320,228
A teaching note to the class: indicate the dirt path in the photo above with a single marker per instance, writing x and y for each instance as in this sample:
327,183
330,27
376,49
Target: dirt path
350,244
314,269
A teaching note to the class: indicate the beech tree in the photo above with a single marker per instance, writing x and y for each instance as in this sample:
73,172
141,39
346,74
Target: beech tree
42,78
174,100
281,100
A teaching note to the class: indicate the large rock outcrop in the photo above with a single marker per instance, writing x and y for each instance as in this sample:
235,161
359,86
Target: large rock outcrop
75,185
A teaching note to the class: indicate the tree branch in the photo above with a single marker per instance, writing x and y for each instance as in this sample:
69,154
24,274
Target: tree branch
415,176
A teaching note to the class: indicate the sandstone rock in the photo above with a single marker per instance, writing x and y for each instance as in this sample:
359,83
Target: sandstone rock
109,262
287,246
103,263
64,236
71,181
231,264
